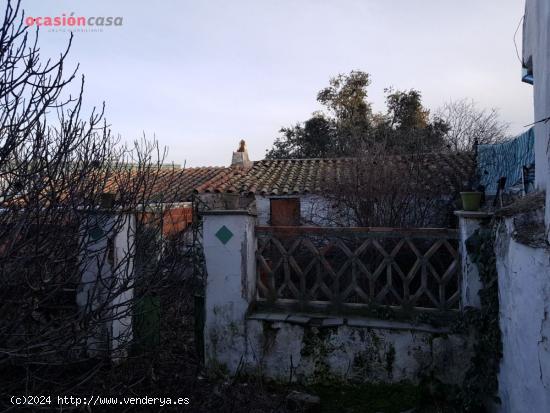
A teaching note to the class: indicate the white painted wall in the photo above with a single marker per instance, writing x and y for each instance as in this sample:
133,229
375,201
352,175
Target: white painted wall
98,274
317,210
263,210
314,210
524,294
230,286
468,223
354,349
536,48
125,250
524,271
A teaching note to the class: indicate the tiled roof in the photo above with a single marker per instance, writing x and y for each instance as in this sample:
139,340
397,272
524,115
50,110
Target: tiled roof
169,185
178,185
315,176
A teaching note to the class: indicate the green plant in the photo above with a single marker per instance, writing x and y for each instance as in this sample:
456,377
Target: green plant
481,380
390,359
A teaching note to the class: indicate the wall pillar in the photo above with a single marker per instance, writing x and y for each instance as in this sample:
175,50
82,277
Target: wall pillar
229,248
469,222
107,279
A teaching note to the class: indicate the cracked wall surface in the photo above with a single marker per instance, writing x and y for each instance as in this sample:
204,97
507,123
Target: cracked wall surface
284,346
524,294
309,354
536,57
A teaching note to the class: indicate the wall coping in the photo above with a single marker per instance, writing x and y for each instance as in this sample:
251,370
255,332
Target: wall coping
228,212
474,214
316,320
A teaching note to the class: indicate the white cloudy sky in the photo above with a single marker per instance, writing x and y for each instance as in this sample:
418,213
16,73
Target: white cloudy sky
202,74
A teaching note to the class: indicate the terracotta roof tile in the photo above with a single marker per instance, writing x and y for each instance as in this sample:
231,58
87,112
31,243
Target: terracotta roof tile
304,176
173,185
180,185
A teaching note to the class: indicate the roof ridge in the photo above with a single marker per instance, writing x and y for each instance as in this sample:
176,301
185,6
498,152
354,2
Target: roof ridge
342,158
310,175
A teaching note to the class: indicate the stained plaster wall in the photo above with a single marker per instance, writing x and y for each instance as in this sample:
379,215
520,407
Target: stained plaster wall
524,269
317,210
98,272
355,351
524,299
280,346
314,210
230,286
536,53
468,223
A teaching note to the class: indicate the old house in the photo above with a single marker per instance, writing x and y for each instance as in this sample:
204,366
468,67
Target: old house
171,193
119,247
327,192
297,284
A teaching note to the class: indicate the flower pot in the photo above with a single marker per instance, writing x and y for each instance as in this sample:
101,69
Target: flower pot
471,201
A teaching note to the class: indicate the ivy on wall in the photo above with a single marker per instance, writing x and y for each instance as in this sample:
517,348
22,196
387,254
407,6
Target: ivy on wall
481,380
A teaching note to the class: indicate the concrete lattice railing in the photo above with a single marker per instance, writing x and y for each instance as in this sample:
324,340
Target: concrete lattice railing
339,269
295,342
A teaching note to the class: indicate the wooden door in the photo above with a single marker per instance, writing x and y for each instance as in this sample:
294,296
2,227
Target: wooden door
285,211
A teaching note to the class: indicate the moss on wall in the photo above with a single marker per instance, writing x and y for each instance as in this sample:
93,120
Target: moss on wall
390,359
317,346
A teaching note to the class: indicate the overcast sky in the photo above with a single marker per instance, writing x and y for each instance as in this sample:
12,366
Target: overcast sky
200,75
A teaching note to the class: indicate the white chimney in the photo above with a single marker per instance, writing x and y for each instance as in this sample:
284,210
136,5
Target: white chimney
240,158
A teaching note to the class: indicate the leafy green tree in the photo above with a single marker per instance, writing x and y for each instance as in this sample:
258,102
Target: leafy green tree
407,127
346,97
348,125
343,125
314,139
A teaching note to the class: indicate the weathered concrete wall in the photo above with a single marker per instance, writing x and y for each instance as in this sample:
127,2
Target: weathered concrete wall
357,351
107,279
307,348
230,285
524,294
124,254
317,210
223,201
468,223
314,210
536,54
